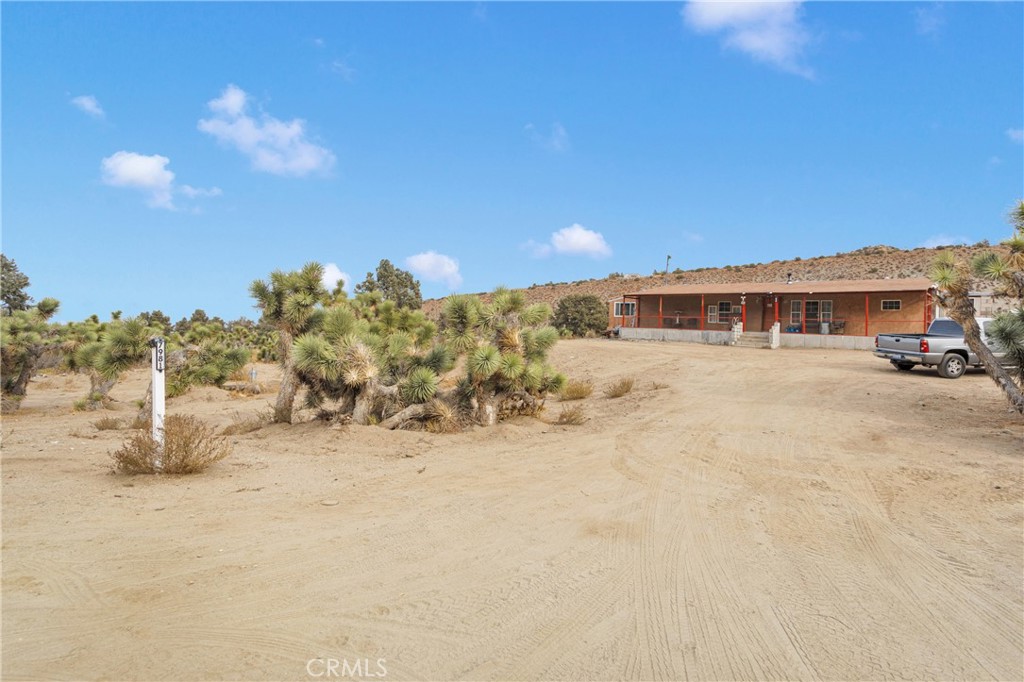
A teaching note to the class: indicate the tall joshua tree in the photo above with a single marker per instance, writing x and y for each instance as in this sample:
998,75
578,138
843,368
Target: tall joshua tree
291,302
24,336
1006,273
123,345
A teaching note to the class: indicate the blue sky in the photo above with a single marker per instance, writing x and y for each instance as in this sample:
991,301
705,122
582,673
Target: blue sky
162,156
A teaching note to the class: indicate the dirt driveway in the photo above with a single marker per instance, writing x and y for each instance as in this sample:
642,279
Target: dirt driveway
742,514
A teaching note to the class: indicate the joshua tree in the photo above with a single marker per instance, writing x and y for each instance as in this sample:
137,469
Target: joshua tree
506,350
371,358
291,302
124,345
1006,273
24,336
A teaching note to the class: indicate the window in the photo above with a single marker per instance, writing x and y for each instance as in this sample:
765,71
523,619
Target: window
724,308
625,309
817,311
895,304
713,314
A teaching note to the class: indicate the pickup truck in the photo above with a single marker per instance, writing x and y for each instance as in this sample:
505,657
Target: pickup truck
942,347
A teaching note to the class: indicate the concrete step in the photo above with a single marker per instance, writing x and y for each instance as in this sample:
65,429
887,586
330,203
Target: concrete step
753,340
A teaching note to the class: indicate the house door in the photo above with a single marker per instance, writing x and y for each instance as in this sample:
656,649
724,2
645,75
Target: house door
767,312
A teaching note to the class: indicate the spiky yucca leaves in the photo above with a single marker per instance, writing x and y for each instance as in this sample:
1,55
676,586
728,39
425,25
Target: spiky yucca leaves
209,364
24,336
1008,331
420,386
123,345
461,320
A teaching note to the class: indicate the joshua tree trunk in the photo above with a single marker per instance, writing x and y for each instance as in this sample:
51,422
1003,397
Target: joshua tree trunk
289,382
961,309
99,387
12,400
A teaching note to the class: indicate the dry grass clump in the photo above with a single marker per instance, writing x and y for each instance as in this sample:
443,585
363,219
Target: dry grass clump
571,416
108,424
442,418
189,447
576,390
620,388
241,424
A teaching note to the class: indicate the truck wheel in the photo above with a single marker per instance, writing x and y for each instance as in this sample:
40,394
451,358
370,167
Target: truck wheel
904,366
952,366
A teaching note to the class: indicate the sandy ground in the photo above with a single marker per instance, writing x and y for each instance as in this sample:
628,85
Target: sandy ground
793,514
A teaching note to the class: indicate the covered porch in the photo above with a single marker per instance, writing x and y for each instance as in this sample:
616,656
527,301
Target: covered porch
860,308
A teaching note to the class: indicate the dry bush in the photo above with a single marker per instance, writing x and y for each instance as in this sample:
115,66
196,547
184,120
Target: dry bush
657,385
141,423
108,424
442,418
189,447
571,416
576,390
620,388
241,424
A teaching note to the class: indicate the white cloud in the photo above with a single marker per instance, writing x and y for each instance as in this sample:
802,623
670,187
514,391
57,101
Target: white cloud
693,237
574,240
150,175
1015,135
929,20
332,273
770,32
272,145
557,140
436,267
194,192
89,105
942,240
146,173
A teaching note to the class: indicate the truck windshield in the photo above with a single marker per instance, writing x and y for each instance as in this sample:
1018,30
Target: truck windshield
946,328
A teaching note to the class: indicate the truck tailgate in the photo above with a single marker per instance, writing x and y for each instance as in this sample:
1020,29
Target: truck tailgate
900,342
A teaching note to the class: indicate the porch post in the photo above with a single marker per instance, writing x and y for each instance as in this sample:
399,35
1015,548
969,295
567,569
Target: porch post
702,312
661,300
924,329
622,313
743,311
803,317
775,307
867,308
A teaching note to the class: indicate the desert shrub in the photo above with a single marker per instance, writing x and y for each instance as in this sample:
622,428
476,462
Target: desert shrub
190,446
108,424
576,390
620,388
581,313
241,424
571,416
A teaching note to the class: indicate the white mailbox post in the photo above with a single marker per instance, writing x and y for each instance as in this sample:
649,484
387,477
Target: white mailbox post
159,376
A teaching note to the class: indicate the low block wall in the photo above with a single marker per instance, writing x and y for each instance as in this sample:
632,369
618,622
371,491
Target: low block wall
719,338
839,341
716,338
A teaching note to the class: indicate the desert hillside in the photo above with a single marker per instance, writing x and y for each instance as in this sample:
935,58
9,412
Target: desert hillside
870,262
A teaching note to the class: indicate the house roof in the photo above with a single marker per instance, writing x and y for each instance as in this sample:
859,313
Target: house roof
838,286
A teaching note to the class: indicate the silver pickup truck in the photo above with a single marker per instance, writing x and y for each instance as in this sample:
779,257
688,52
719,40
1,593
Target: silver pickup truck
942,347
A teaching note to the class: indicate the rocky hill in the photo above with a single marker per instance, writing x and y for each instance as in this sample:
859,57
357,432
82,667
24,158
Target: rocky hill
870,262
